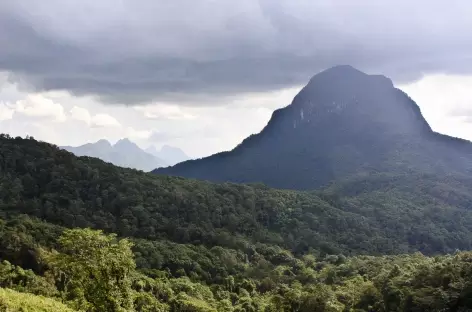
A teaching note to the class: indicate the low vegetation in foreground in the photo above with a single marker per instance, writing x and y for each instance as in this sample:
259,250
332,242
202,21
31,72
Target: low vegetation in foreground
93,271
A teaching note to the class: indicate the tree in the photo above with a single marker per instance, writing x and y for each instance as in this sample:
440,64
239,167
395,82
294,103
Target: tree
94,270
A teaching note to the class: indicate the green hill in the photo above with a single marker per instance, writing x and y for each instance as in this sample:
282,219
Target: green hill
372,213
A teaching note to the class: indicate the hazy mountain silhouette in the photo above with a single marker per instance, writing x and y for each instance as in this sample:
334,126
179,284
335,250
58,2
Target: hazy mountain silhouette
124,154
343,122
171,155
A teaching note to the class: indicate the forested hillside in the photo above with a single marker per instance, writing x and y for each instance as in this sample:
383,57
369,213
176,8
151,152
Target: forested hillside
199,246
377,213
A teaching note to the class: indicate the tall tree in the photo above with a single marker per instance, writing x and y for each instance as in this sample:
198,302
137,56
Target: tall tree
95,270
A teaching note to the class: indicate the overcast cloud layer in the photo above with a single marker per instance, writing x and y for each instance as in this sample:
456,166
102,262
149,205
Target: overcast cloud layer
203,75
139,51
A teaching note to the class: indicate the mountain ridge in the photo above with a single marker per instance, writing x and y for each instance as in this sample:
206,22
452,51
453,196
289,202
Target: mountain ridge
123,153
172,155
126,153
343,121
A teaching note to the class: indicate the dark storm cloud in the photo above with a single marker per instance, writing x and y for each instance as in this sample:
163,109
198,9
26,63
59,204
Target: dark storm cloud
185,50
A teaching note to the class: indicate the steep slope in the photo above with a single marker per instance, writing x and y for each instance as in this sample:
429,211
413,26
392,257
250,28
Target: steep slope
169,154
344,122
124,154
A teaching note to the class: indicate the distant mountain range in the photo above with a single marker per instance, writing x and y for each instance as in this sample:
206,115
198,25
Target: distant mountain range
127,154
342,123
171,155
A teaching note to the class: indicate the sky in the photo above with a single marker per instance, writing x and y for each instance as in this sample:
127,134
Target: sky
203,75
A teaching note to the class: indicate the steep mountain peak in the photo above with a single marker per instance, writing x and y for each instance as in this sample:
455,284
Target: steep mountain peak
340,70
341,82
102,143
342,122
126,143
347,74
345,97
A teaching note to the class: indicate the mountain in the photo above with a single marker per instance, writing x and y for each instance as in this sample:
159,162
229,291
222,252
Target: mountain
124,154
342,123
169,154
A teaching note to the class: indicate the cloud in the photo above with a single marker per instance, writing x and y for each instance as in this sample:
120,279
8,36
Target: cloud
137,134
95,121
161,136
194,51
164,111
461,111
6,113
443,96
104,120
446,103
81,114
36,105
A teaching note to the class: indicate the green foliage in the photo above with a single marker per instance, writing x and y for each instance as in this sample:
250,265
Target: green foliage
94,270
12,301
183,302
17,278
